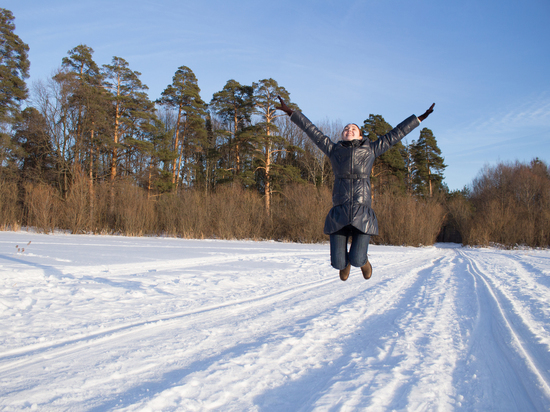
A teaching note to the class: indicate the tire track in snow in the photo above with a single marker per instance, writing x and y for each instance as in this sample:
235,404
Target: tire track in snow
176,264
502,351
263,313
522,284
96,352
411,344
306,352
135,327
304,345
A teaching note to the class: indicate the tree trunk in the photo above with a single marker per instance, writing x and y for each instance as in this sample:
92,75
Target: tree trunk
175,163
267,178
268,170
237,154
91,179
149,181
430,179
114,158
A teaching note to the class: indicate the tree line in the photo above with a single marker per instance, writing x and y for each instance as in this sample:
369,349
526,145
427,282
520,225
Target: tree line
87,150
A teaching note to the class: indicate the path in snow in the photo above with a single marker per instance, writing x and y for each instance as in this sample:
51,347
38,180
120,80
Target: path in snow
113,323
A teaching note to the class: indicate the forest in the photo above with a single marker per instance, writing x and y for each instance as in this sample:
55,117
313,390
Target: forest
88,151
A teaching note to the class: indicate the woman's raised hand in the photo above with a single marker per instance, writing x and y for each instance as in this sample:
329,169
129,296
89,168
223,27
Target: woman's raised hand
283,106
427,113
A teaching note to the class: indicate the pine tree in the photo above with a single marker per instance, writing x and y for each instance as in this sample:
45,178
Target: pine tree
195,146
183,95
14,69
161,156
389,168
88,107
132,118
268,141
428,164
234,105
132,109
83,74
406,151
35,154
210,155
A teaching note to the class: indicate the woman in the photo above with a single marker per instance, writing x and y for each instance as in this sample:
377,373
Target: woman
352,159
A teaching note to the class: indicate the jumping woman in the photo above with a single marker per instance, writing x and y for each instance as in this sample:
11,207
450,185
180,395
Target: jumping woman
352,159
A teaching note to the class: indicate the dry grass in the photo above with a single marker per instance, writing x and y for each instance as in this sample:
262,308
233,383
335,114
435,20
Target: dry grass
509,205
231,212
299,214
10,209
42,206
512,206
407,220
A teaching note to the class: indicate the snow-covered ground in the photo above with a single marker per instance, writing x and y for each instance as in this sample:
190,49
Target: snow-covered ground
96,323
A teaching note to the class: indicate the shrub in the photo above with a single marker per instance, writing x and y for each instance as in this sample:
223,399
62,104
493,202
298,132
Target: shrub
299,213
42,205
76,214
512,205
10,211
134,214
407,220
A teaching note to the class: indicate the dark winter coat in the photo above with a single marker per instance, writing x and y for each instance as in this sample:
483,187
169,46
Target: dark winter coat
352,163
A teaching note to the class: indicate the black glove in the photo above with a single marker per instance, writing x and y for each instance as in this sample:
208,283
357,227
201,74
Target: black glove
427,113
283,106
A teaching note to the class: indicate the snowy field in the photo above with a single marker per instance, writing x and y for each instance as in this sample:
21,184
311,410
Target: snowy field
101,323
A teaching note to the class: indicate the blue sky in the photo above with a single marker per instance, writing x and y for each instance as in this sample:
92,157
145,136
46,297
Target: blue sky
485,64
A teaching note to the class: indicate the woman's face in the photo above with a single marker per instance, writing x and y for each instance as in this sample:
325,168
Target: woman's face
351,132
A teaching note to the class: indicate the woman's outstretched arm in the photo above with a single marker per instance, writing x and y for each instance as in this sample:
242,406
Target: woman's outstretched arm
322,141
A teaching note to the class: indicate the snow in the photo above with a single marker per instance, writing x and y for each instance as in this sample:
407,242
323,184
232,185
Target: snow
100,323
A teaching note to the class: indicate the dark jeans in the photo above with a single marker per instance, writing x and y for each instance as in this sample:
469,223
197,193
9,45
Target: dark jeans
357,255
